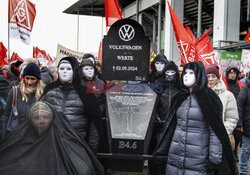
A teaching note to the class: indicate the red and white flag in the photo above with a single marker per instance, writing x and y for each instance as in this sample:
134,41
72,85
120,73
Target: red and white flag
112,12
41,55
3,55
190,48
21,19
15,57
205,49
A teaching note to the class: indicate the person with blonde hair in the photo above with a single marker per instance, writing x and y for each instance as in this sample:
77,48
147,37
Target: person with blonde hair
30,90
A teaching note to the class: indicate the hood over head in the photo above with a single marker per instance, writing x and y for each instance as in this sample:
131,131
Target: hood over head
75,67
160,57
200,75
176,77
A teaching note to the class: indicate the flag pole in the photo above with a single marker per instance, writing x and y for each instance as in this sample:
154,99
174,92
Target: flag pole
184,52
8,30
77,31
177,59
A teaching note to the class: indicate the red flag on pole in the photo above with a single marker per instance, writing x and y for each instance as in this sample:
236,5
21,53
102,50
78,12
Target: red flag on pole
185,43
21,19
112,12
3,56
205,49
191,35
247,38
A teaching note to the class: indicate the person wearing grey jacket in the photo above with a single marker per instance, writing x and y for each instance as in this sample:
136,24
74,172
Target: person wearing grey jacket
69,96
194,138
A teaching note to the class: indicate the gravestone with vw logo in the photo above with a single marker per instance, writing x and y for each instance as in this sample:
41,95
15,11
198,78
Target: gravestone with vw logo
126,52
129,106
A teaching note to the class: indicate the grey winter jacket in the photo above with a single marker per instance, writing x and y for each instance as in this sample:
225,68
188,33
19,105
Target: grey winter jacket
66,99
194,143
230,111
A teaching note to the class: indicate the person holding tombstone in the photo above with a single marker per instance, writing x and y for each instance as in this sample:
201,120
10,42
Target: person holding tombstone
234,85
244,125
68,94
156,75
230,115
194,138
30,90
46,144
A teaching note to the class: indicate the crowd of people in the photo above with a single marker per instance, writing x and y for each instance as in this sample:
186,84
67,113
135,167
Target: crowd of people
201,119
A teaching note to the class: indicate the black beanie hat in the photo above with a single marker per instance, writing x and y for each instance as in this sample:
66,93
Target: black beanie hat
33,70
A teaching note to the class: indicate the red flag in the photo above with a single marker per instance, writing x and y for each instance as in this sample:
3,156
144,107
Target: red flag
41,56
100,52
205,49
112,12
3,56
21,19
247,38
191,35
15,57
185,43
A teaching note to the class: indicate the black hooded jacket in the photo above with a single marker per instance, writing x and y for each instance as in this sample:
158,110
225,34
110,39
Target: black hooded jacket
233,86
80,108
154,77
211,108
170,89
4,85
58,151
14,74
244,108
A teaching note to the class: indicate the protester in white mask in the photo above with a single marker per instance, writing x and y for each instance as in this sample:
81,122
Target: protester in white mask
189,78
88,72
65,72
194,138
68,95
157,67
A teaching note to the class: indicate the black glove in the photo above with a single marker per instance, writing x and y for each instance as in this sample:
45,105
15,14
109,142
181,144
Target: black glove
212,167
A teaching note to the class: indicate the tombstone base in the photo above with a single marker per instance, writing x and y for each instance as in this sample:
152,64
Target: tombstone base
127,165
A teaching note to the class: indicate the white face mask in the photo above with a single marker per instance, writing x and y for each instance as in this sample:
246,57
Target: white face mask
65,72
189,78
88,71
159,66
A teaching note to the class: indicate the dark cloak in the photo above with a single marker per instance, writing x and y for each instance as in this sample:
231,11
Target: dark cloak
59,151
92,109
211,108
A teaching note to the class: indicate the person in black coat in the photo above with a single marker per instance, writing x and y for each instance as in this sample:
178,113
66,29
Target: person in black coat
209,107
46,144
68,94
15,73
244,124
4,86
157,66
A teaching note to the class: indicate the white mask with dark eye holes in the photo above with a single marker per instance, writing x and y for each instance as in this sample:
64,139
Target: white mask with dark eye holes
159,66
189,78
88,71
65,72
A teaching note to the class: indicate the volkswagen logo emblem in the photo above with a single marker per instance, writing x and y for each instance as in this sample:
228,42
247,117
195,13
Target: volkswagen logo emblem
126,32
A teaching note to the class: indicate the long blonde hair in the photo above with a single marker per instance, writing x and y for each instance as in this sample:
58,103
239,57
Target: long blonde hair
39,90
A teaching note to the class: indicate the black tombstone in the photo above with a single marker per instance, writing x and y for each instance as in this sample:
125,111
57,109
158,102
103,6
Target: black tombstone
130,122
126,52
